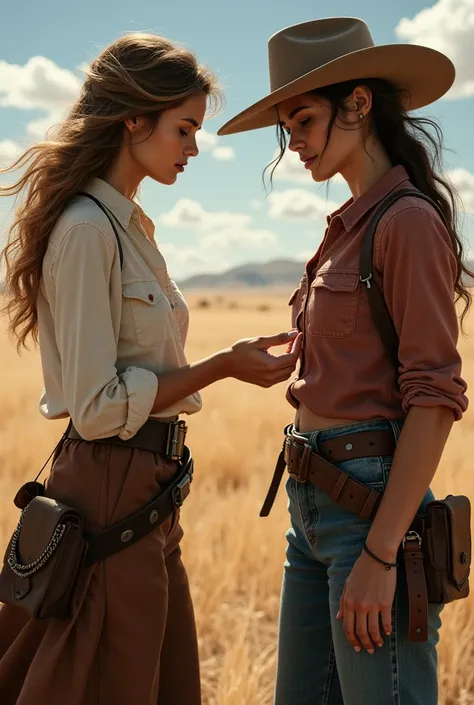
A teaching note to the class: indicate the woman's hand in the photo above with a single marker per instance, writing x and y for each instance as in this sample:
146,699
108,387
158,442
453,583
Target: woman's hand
249,360
366,601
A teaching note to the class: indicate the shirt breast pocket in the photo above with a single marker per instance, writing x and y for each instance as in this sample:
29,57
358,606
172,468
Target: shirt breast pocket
146,313
333,302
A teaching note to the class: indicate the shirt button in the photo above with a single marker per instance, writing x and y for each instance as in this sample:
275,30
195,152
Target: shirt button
151,297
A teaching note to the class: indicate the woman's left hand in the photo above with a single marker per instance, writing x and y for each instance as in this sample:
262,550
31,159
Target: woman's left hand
366,600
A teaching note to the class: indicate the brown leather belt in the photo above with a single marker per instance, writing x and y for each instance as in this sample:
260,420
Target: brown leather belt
304,465
135,526
166,438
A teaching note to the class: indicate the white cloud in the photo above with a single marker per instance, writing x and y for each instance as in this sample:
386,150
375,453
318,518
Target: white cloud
447,26
299,204
37,129
205,140
256,205
239,237
463,181
9,152
217,229
185,261
224,154
40,84
190,214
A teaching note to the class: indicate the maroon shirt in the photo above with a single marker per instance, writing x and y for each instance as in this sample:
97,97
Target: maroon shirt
345,371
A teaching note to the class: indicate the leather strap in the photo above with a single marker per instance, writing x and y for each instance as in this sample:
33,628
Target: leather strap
166,438
134,527
417,591
109,215
380,312
306,465
274,485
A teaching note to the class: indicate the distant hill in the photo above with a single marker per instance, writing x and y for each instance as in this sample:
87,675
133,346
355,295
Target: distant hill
276,274
280,273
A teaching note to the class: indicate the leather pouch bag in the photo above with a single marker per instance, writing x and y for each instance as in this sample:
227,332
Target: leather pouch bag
447,549
43,559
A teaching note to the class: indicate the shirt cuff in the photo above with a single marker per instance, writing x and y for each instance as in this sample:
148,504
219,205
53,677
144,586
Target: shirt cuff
142,388
458,406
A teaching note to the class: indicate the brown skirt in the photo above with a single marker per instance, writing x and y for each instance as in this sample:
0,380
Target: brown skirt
132,637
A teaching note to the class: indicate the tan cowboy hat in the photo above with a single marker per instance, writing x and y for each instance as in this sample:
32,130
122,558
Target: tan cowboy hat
319,53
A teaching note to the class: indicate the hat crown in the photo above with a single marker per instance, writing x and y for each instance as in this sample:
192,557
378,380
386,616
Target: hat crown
296,50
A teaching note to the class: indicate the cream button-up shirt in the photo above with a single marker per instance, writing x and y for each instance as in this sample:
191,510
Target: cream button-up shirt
106,334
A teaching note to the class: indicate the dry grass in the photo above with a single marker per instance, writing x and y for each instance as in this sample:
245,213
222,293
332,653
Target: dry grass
234,558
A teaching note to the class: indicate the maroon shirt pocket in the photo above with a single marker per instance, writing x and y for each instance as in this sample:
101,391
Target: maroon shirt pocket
333,303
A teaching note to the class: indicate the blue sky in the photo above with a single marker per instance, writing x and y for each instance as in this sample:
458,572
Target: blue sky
43,44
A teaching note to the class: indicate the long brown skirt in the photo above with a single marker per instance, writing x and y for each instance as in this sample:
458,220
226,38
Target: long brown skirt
132,637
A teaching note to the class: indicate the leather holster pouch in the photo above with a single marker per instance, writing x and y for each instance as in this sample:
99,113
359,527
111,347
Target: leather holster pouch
447,549
43,559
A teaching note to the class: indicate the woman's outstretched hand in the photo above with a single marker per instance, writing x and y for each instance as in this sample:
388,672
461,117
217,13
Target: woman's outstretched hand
249,360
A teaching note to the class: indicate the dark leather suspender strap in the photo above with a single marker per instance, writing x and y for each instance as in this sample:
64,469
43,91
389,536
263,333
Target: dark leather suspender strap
110,216
380,313
412,550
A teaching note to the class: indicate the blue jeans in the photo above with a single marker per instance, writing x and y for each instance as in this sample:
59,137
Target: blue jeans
316,663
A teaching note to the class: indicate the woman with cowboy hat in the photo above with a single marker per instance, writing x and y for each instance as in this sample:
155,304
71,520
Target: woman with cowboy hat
342,104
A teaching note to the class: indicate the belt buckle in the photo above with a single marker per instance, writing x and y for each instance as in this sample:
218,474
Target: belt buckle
176,437
302,474
410,537
181,491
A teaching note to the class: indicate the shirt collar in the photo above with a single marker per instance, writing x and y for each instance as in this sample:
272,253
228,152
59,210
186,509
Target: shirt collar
122,208
353,210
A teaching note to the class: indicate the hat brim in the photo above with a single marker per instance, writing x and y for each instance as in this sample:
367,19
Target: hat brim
423,74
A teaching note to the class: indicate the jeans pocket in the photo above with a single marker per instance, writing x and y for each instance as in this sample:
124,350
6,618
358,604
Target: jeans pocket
372,472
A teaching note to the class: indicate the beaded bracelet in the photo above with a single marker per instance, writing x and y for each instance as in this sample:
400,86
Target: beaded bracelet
387,565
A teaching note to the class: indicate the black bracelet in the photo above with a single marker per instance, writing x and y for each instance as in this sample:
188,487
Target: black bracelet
387,565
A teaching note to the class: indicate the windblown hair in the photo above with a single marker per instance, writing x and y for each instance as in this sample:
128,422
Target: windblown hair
414,142
138,74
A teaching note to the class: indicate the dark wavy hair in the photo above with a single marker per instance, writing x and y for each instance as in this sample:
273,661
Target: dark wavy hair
414,142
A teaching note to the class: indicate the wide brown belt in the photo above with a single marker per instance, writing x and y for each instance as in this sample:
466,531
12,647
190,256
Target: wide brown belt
135,526
164,437
304,465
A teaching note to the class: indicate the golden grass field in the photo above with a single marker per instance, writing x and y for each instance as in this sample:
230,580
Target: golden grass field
234,558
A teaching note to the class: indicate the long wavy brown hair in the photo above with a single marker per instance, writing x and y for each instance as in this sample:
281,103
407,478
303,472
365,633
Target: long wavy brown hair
413,141
136,75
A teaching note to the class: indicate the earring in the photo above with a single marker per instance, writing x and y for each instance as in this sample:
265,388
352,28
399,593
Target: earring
361,116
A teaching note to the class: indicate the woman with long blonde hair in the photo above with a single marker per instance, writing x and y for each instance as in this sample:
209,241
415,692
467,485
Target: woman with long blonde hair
86,279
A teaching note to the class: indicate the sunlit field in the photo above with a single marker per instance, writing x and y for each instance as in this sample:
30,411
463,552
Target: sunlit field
234,558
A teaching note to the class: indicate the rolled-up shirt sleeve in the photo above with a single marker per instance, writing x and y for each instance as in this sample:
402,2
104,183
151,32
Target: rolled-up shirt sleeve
100,401
419,269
